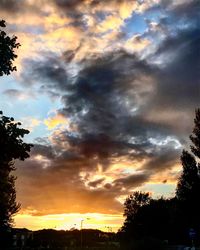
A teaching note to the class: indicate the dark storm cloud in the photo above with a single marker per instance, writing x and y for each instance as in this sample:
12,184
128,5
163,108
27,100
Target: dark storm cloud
100,101
51,73
179,53
181,76
103,102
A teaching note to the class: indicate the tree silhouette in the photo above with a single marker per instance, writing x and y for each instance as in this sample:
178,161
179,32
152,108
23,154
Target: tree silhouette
7,53
134,202
11,147
131,207
11,138
188,187
195,137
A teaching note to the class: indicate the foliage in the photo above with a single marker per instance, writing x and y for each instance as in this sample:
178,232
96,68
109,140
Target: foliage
189,182
188,187
7,53
11,147
134,202
131,207
195,137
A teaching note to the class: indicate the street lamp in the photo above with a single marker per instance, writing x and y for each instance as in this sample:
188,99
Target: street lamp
82,232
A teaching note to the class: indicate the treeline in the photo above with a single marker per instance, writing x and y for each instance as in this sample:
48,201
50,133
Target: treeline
72,239
167,221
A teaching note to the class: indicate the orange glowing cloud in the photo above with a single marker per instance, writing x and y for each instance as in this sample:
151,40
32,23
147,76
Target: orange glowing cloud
55,121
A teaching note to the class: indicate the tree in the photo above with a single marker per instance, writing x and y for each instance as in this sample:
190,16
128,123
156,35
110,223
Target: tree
188,186
146,223
134,202
131,207
11,147
195,137
7,51
11,143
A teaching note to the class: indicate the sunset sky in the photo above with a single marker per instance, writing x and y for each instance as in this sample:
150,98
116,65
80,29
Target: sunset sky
108,90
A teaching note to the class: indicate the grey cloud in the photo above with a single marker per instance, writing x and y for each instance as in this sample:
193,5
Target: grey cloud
132,181
44,150
12,93
10,5
18,94
94,184
178,84
164,158
51,73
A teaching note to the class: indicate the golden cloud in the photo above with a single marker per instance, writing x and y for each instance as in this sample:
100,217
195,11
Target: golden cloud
55,121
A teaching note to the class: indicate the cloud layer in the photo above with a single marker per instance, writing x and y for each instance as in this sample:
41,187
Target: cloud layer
126,97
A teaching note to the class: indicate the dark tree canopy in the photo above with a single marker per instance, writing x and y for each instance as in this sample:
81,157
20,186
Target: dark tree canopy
131,207
195,137
188,187
11,138
7,51
134,202
11,147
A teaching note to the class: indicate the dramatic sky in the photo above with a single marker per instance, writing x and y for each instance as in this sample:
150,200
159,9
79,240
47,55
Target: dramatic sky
108,90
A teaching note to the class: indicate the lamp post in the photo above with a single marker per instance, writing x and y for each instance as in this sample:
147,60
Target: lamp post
82,232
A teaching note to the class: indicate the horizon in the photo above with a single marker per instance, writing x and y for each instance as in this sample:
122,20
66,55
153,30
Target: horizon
108,91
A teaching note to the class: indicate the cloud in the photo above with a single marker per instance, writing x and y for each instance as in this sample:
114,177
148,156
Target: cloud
117,107
178,86
132,181
95,183
105,103
55,121
9,5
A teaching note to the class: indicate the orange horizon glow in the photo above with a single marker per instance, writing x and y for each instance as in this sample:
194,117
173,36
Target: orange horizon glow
70,221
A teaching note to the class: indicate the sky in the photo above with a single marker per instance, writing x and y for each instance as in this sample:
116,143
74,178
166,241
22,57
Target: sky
108,90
